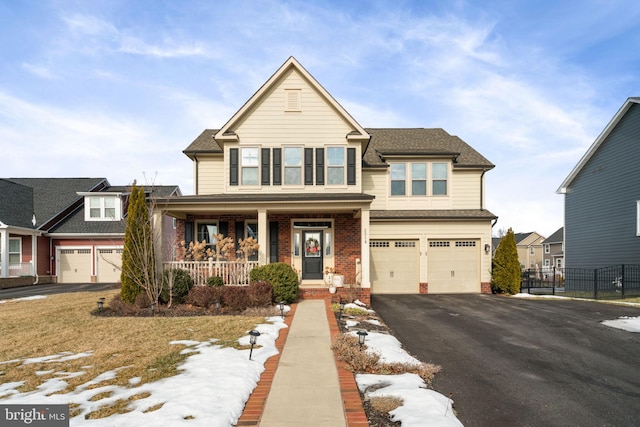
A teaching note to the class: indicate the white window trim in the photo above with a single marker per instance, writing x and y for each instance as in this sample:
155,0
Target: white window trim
408,180
547,248
637,217
284,167
327,166
117,206
241,167
19,253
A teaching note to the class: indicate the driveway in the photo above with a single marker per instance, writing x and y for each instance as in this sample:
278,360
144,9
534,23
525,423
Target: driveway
55,288
522,362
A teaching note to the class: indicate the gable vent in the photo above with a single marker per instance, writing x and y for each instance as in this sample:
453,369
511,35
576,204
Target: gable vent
292,99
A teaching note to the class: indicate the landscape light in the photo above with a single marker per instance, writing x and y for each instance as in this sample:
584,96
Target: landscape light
281,307
100,305
253,338
217,306
153,308
361,337
342,304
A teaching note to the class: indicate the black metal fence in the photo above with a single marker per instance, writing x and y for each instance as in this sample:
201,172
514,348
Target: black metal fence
613,282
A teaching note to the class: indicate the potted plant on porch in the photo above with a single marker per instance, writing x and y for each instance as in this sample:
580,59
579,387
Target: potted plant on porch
328,276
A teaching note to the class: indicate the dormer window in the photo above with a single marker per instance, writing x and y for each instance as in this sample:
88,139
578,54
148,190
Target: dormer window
102,208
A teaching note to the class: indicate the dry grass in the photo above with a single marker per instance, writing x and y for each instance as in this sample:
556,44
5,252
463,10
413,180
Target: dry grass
132,346
348,350
385,404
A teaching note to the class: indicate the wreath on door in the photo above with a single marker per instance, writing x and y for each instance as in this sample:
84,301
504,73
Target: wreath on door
312,246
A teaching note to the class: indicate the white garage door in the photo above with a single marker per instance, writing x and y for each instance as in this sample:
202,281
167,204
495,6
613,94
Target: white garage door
395,266
453,266
108,265
74,266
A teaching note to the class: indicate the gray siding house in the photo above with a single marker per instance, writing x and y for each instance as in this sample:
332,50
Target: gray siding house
602,196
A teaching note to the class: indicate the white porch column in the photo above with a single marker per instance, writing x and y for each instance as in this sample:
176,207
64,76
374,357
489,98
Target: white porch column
364,247
4,252
34,254
263,236
157,221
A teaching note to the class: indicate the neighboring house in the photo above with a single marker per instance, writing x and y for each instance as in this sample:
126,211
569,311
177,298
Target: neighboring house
530,251
602,196
553,247
67,230
393,210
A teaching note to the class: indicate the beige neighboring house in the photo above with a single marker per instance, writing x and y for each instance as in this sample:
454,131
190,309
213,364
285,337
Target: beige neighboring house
530,250
395,210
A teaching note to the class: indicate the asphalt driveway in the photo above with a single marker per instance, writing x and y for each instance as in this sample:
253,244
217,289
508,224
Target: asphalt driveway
522,362
55,288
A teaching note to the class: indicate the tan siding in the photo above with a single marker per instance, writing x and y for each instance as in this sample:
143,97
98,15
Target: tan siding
212,175
375,183
465,190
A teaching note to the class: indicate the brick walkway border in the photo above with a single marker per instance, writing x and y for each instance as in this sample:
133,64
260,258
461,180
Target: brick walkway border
354,412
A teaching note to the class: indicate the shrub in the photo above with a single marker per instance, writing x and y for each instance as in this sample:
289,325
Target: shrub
282,278
506,272
182,283
203,296
260,294
235,298
215,281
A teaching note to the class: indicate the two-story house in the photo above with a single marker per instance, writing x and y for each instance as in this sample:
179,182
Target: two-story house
393,210
602,196
554,250
530,250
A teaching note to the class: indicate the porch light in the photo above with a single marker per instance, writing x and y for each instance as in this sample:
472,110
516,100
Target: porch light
487,248
361,337
253,338
281,307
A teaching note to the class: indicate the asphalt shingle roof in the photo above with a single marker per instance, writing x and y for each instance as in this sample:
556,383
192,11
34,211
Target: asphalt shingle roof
16,204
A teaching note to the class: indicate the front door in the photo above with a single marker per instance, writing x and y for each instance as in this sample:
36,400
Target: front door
312,261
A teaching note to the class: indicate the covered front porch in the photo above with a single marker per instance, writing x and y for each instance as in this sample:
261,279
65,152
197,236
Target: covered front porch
315,234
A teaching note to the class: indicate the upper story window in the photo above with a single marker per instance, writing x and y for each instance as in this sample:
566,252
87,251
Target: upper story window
102,208
413,179
249,162
292,165
335,165
439,179
532,250
547,248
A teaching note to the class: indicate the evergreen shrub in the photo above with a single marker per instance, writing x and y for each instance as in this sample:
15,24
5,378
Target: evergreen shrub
282,278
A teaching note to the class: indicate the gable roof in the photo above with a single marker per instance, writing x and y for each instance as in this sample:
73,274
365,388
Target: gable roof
16,204
52,196
556,237
205,143
420,142
227,131
630,102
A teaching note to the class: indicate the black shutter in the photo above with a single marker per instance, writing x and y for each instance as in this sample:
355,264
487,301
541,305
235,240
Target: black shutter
266,161
273,241
319,166
223,228
277,166
351,166
308,166
233,166
188,232
239,233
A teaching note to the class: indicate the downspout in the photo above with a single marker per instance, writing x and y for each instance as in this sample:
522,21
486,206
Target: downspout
34,257
482,188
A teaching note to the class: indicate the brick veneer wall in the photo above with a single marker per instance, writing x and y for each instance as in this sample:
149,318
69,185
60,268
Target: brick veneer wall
485,288
349,295
424,288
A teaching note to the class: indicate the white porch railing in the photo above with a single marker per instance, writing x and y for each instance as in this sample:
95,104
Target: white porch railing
18,269
234,273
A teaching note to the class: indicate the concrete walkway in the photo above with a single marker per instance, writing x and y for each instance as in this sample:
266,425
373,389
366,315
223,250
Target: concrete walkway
306,389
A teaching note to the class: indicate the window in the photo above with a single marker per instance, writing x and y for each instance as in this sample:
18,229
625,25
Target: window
335,165
418,179
15,250
547,262
532,250
439,179
251,230
547,248
206,232
249,162
398,177
102,208
292,165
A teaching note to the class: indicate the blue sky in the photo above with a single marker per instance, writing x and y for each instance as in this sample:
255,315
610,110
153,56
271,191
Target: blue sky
118,89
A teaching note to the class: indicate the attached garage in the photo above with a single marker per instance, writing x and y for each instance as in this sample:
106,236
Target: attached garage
74,265
108,262
453,266
395,266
